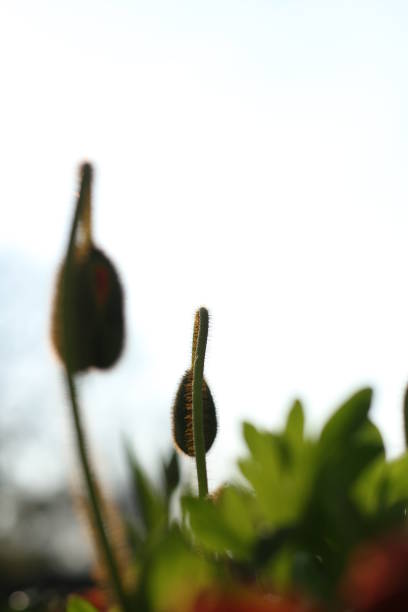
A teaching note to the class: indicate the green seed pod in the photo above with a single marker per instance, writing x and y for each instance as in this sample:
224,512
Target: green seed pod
94,319
182,415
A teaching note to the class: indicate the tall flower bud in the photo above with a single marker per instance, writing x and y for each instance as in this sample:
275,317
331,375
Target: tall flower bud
182,411
87,327
183,416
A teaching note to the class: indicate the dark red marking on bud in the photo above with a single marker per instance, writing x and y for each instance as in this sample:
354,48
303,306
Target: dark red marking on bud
101,284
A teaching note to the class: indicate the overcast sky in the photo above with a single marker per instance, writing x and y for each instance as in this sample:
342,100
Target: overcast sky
250,156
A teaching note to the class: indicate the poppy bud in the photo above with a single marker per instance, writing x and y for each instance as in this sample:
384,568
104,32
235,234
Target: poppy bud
95,317
182,415
87,328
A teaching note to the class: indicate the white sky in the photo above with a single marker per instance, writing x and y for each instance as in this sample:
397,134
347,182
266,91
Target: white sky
250,156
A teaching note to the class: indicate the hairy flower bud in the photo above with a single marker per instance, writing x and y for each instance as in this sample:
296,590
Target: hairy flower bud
91,313
87,327
182,415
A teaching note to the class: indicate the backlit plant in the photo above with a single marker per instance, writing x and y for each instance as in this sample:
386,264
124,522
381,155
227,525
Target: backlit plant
315,524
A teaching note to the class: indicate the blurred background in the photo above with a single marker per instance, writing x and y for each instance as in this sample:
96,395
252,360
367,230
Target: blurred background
250,157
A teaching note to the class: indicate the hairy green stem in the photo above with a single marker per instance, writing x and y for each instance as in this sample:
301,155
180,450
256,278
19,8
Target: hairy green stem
198,428
94,501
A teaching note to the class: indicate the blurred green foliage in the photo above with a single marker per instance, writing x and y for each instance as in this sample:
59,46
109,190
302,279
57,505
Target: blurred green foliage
304,505
291,523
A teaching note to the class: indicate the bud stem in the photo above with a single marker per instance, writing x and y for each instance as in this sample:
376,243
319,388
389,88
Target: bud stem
198,429
111,563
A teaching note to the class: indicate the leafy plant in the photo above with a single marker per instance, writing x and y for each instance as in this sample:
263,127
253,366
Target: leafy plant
288,536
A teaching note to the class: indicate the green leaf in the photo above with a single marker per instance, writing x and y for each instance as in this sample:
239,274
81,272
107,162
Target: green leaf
333,523
295,422
259,443
278,570
280,471
369,434
263,444
223,526
136,539
370,488
171,474
175,574
77,604
342,463
347,419
149,502
398,480
382,486
236,506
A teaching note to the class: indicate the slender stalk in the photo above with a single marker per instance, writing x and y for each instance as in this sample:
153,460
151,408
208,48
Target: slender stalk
198,428
110,560
83,206
111,564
